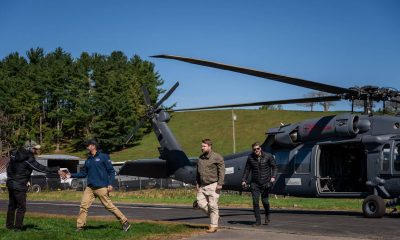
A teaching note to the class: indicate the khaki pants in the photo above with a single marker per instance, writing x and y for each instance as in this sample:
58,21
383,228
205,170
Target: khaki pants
207,200
88,197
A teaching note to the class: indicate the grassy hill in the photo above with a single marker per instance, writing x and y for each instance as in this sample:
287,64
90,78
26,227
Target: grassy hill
190,127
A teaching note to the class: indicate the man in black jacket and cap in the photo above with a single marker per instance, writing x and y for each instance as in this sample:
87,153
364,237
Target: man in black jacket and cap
19,170
263,170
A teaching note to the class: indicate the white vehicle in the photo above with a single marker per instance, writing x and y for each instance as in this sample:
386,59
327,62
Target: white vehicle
72,183
3,177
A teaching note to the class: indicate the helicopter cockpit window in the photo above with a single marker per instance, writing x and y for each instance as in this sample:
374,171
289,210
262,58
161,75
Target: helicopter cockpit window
302,161
385,158
396,158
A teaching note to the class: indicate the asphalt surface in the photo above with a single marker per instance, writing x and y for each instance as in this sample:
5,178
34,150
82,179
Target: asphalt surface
236,223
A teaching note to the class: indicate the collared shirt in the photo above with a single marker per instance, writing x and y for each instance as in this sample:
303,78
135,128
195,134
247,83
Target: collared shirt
98,169
210,169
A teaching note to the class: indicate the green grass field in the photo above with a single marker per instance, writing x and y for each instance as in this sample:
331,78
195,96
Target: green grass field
187,196
190,127
61,228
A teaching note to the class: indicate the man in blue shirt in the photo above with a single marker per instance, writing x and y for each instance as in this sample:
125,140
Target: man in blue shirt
100,176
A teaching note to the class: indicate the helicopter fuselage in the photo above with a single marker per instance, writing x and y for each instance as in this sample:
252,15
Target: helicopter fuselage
345,155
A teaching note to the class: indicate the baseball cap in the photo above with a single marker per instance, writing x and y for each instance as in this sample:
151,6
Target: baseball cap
31,145
92,142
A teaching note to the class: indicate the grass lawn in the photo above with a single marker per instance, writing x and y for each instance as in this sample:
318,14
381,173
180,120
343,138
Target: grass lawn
250,126
187,196
58,227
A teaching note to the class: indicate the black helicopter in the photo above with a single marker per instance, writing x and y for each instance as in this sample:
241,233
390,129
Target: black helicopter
348,155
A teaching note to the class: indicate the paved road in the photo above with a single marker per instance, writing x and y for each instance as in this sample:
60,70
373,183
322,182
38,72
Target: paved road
288,224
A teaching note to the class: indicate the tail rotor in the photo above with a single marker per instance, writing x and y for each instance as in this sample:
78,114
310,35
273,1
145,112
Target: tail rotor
151,110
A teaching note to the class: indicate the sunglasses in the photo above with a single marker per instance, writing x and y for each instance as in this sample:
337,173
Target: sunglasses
256,149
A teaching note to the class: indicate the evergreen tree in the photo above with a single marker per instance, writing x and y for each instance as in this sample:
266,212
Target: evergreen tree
61,101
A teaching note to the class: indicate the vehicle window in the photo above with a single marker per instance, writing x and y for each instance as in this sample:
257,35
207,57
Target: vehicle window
282,159
385,158
396,158
302,161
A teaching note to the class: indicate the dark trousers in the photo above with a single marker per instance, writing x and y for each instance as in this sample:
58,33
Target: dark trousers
256,191
16,208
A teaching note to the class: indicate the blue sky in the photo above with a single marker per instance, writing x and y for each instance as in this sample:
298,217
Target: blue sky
338,42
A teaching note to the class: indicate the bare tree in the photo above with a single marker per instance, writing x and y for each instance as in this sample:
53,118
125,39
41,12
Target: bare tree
310,104
392,107
272,107
360,104
326,105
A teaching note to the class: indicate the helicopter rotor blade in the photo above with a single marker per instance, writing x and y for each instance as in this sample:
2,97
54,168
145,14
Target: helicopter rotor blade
166,96
134,130
151,110
271,76
286,101
146,96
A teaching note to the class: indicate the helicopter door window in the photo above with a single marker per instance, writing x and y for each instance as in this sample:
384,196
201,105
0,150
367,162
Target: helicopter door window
302,161
282,159
396,158
385,158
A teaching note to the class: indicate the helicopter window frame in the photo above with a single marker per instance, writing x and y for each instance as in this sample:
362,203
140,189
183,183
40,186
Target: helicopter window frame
303,166
385,158
396,158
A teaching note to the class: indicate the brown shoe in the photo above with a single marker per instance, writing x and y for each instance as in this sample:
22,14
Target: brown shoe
212,230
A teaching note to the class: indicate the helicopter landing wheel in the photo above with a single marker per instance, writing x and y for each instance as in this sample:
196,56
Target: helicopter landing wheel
373,207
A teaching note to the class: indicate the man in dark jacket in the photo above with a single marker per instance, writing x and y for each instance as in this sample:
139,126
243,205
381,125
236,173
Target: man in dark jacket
263,170
19,170
100,175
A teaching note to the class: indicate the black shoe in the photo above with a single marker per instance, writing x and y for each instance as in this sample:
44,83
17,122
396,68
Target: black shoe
267,220
10,227
195,204
126,226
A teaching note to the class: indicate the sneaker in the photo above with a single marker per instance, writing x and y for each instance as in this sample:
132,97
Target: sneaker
79,229
126,226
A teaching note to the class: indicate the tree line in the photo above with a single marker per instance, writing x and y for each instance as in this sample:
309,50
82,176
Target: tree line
61,101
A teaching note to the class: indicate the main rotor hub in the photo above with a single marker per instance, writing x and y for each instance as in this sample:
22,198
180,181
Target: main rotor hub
373,93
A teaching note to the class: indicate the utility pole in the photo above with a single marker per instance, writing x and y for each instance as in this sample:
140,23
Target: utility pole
234,117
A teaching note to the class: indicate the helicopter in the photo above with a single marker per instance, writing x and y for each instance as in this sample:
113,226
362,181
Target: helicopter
340,156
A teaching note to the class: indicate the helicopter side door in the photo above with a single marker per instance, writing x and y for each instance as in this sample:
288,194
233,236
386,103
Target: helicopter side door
389,167
341,169
298,181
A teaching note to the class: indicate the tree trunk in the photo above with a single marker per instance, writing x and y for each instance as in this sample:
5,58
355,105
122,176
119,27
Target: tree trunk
58,137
